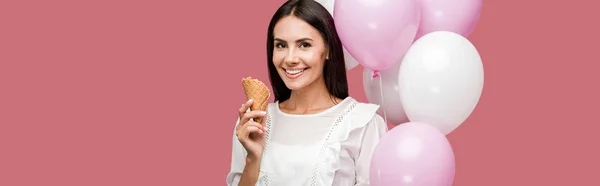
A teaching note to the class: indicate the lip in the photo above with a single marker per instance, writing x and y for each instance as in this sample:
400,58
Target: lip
295,68
296,75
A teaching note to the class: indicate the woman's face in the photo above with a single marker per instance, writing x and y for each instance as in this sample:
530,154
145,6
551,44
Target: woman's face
299,53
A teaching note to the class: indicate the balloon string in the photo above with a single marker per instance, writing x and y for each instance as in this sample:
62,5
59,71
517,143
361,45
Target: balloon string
376,73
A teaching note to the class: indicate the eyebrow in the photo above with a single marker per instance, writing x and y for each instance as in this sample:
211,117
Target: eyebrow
297,41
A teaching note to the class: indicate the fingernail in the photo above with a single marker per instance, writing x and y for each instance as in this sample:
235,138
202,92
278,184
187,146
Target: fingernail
263,113
250,100
261,131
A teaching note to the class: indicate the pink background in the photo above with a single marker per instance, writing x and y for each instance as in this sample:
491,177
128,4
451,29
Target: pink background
121,92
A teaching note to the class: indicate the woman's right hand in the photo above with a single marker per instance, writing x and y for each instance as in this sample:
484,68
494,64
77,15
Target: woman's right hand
250,133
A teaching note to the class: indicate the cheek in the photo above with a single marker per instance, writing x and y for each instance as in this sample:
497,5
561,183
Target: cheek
313,59
277,58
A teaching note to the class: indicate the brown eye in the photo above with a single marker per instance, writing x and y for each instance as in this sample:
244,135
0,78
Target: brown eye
280,45
304,45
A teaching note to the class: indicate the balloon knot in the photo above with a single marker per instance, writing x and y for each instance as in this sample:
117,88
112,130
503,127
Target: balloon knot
375,73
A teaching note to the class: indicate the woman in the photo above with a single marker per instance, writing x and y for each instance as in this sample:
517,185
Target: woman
314,133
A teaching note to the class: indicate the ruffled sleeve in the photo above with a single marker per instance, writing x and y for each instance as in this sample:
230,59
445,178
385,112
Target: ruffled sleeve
364,129
238,160
373,132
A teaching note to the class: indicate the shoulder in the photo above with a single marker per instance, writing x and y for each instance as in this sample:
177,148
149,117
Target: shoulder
366,120
364,114
364,111
362,120
370,107
272,106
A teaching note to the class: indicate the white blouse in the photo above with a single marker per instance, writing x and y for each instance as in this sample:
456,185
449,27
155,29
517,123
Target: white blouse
333,147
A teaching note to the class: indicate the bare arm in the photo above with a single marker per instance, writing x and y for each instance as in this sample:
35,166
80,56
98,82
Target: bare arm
248,141
245,167
251,171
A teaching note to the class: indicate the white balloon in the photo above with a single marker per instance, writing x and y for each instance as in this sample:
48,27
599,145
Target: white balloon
384,91
350,61
441,80
328,4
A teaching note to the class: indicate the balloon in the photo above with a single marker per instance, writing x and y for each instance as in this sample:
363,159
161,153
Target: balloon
414,154
389,100
377,33
350,61
441,80
458,16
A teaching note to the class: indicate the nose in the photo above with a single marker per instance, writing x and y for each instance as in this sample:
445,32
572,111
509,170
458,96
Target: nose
291,58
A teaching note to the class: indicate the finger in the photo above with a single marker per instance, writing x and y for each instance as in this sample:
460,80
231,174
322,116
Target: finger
245,107
254,129
253,114
246,131
242,131
264,120
255,124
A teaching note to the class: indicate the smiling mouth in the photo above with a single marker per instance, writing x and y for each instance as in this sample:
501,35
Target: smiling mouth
294,71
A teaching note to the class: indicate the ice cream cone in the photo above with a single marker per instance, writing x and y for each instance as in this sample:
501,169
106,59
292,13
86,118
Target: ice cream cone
258,92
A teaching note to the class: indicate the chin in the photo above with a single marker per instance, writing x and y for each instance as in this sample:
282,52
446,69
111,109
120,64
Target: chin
294,85
296,81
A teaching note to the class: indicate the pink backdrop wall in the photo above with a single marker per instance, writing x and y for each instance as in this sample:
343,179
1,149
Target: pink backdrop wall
121,92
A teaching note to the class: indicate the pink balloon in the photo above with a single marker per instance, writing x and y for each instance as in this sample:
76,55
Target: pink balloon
414,154
377,33
458,16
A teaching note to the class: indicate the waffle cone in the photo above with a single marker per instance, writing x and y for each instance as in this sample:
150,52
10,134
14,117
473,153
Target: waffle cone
259,92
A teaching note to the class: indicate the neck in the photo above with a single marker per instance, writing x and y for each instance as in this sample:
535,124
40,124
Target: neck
312,98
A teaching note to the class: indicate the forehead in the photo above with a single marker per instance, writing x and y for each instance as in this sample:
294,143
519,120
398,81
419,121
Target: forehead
291,28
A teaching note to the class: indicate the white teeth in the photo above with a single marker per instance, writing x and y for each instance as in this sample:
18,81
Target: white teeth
294,72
